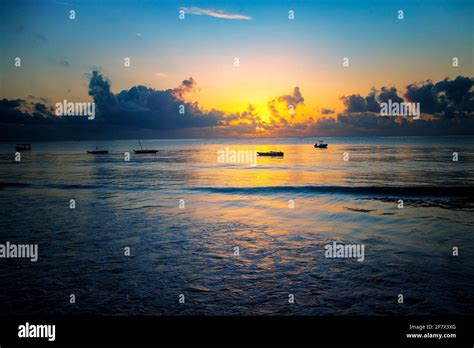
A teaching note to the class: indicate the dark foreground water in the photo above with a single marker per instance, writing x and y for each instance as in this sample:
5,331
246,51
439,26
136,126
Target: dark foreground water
190,250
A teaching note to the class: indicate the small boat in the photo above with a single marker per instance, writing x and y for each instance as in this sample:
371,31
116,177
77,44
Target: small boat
271,154
98,152
144,150
23,147
321,145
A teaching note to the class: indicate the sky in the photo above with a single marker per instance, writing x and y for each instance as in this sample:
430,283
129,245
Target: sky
276,55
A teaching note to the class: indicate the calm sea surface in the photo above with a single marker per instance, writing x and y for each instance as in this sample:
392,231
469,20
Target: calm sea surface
190,250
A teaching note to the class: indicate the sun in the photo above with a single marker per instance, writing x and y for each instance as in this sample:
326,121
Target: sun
262,110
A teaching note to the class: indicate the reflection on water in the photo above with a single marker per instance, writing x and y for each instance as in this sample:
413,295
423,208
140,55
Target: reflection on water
191,251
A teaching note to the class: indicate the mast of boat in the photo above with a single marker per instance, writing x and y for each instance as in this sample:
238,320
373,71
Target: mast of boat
141,148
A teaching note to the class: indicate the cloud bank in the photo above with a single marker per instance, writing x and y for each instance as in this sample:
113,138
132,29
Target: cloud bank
447,108
446,98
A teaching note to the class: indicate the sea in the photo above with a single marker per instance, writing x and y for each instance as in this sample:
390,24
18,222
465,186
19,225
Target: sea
182,232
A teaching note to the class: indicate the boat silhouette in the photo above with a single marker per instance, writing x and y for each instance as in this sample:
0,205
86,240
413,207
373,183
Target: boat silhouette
142,150
321,145
23,147
271,153
98,152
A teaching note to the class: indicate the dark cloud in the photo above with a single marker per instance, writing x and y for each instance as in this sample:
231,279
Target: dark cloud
143,112
325,111
292,99
145,107
185,87
371,102
447,97
372,124
354,103
357,103
18,111
389,93
6,104
99,89
41,108
137,110
425,94
458,92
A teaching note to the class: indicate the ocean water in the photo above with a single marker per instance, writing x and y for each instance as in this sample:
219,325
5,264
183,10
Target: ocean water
190,250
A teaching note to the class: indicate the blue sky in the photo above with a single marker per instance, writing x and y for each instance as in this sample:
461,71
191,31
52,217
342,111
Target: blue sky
276,54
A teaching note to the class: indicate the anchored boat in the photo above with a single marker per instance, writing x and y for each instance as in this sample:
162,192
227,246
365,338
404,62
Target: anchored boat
144,150
98,152
271,154
23,147
320,145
